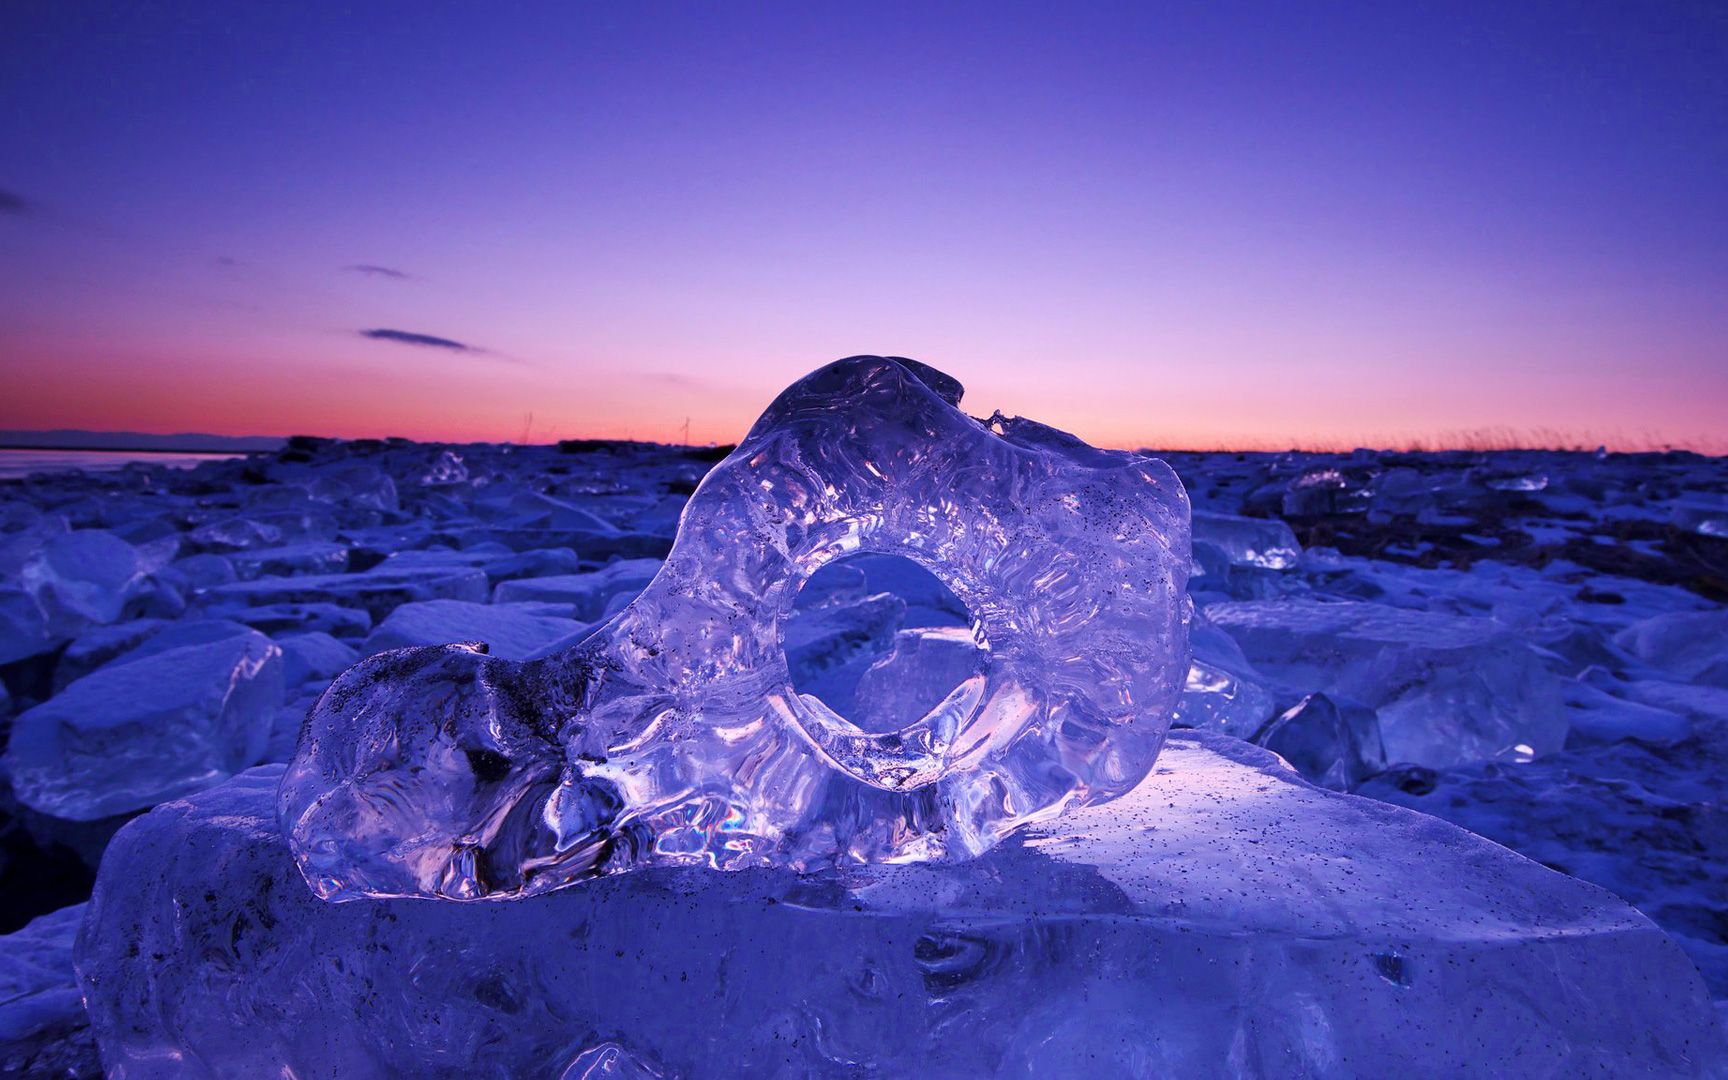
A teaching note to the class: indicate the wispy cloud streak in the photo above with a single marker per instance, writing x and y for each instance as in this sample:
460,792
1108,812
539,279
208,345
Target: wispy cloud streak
372,270
428,341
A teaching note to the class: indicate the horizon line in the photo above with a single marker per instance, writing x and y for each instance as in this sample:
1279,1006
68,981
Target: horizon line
1488,440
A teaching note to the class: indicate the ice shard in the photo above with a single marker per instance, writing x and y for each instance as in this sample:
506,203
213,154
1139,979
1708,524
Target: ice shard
672,734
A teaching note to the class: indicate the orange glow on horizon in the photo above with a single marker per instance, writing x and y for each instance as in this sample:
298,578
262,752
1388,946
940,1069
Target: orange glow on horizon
185,395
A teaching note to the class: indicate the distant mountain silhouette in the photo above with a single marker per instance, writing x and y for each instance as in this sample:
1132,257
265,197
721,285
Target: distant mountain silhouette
189,442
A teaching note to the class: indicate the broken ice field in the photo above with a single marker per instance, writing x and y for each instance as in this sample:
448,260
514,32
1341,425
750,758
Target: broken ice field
1351,648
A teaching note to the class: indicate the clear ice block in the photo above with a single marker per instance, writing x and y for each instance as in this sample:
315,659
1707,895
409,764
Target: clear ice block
672,734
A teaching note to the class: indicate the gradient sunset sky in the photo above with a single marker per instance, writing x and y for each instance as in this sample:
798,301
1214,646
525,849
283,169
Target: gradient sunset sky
1184,224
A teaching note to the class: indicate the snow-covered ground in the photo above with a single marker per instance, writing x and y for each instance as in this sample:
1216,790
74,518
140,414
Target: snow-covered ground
1533,646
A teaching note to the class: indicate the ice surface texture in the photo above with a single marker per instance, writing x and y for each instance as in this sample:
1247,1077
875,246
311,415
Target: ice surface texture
672,734
1222,919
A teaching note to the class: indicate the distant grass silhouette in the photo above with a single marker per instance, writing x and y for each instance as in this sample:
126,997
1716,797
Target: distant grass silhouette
1476,440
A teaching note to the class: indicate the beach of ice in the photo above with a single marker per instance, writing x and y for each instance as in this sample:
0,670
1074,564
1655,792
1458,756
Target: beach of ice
1531,646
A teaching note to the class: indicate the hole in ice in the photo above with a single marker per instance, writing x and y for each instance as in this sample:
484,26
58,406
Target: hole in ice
880,641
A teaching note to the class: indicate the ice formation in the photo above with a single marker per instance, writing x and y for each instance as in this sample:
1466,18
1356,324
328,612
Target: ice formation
186,710
1447,688
1221,919
40,1006
1258,542
588,595
1430,601
1333,745
510,631
81,578
672,734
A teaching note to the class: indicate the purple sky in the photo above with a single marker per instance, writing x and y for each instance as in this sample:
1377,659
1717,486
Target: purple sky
1153,224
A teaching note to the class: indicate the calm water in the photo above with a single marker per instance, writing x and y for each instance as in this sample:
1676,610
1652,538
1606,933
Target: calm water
16,463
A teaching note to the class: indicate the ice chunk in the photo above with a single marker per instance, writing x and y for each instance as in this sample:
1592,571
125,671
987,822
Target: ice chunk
1335,744
1210,569
1309,933
354,485
23,631
610,1060
180,635
285,728
41,1009
1597,716
446,469
587,594
594,547
1448,688
204,571
1400,492
23,531
1706,703
507,632
308,558
499,562
376,591
1262,542
839,582
333,619
671,734
532,509
661,519
1510,481
830,646
1325,490
133,734
98,645
313,657
924,665
1690,644
1222,692
928,602
1703,518
1220,701
236,534
82,578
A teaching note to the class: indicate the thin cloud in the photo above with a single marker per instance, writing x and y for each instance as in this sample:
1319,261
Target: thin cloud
12,203
428,341
372,270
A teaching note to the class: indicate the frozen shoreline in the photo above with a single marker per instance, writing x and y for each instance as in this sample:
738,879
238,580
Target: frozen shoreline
1532,645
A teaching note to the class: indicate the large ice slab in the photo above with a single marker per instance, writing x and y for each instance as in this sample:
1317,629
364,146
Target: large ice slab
1222,918
1448,688
150,728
